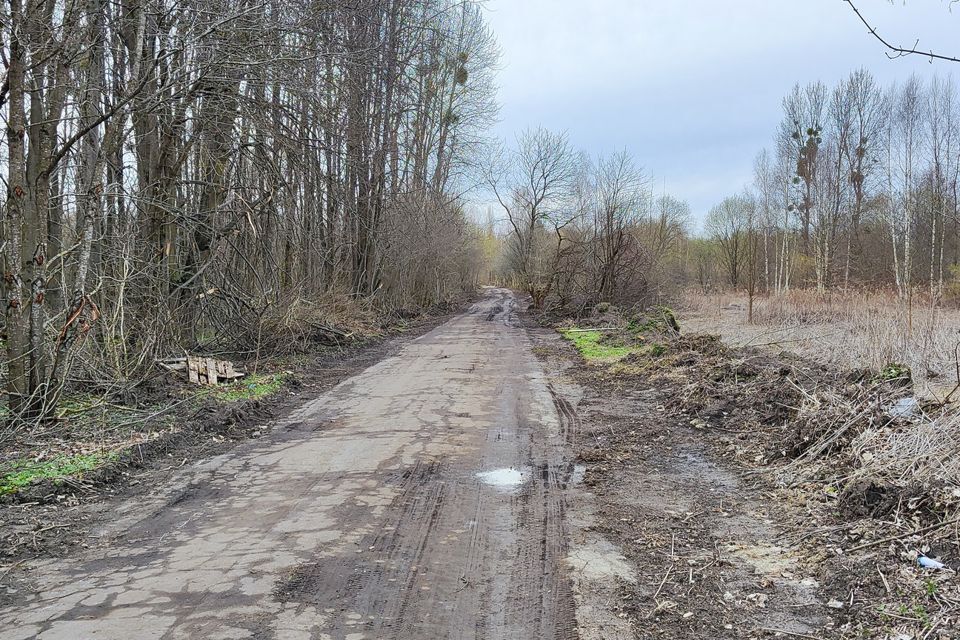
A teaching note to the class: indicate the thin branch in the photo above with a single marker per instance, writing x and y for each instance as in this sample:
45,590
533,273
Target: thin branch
899,52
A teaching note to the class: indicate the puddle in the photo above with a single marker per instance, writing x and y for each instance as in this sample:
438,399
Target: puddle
505,478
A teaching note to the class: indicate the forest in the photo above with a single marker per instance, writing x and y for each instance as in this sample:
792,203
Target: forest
203,175
213,177
858,191
478,319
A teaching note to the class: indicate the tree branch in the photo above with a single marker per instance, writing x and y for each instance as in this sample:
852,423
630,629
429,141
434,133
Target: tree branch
899,52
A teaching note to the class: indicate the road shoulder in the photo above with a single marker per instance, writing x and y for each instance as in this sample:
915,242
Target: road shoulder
669,540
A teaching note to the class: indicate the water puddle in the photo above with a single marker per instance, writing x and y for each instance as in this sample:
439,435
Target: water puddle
505,478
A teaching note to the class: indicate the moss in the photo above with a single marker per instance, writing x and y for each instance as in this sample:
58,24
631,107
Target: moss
656,350
16,474
253,387
592,346
657,319
669,318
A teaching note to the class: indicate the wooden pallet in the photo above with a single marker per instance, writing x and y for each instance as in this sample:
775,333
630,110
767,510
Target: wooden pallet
203,371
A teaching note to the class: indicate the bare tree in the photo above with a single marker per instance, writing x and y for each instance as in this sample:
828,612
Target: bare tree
182,173
621,201
727,224
535,186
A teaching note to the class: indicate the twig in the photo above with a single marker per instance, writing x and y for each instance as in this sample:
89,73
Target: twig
9,569
884,578
659,589
931,629
899,52
790,633
956,360
915,532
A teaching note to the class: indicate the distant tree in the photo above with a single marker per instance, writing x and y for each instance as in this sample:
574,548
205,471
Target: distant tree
860,151
727,225
800,140
535,185
621,201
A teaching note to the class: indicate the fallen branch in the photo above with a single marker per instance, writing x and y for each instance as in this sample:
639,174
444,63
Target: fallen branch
932,527
659,589
9,569
789,633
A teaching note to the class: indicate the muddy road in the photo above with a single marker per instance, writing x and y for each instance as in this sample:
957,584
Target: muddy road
423,498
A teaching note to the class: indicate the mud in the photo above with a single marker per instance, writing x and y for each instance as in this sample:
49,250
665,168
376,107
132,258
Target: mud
671,541
359,515
459,488
50,519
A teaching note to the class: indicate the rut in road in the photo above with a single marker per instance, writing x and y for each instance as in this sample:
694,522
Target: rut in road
360,516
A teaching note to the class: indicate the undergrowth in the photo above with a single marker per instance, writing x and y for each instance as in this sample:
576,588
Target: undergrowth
16,474
254,387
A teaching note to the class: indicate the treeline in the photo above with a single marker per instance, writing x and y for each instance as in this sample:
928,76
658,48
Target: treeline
859,190
579,232
188,174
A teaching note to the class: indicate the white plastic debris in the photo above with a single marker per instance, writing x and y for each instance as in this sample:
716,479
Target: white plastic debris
930,563
904,408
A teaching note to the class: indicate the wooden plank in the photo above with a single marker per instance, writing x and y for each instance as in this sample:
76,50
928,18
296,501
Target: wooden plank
203,370
211,371
193,371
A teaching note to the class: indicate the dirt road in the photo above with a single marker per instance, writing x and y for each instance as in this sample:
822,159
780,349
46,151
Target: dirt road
423,498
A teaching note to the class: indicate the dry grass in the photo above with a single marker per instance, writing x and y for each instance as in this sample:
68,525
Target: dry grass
853,331
299,323
870,474
926,451
858,331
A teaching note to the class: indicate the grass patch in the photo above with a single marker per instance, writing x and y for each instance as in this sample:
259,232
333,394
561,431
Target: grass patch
78,405
17,474
595,346
894,371
253,387
591,346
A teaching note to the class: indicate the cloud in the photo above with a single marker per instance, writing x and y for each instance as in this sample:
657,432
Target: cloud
691,87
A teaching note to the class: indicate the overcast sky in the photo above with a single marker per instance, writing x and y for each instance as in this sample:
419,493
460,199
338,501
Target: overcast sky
692,88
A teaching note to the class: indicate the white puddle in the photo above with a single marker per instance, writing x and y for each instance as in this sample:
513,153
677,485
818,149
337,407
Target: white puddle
507,478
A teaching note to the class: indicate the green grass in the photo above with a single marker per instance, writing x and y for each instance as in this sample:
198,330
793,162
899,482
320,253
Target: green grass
253,387
79,404
591,347
893,371
17,474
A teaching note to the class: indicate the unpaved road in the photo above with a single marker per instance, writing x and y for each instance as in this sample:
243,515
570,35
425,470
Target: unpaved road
423,498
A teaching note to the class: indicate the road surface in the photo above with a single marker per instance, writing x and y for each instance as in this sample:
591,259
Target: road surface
423,498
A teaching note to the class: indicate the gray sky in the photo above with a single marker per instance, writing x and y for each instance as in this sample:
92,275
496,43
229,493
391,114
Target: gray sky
692,88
